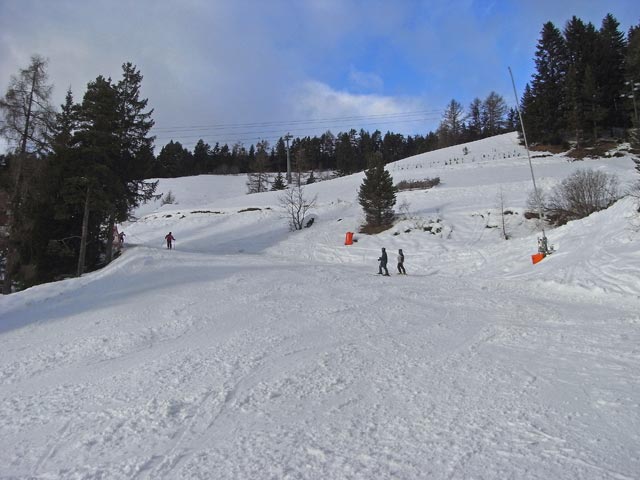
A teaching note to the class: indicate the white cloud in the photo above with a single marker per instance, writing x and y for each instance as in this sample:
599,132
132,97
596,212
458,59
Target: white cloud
317,100
238,62
365,80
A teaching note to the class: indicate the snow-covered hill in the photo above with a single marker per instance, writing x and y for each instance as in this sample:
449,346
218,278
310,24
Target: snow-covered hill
253,352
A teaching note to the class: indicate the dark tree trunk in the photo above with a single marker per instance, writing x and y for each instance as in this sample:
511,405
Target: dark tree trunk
110,232
85,234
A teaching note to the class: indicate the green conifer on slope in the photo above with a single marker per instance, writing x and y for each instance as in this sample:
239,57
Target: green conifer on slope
377,194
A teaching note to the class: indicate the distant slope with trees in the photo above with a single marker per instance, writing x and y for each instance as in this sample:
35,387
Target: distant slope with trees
71,176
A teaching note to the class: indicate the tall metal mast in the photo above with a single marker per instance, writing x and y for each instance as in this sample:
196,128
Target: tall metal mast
533,177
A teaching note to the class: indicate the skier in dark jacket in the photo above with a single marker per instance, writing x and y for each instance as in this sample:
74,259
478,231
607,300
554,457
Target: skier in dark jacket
170,239
383,263
401,269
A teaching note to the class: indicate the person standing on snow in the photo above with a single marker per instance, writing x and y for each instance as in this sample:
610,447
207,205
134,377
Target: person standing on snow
383,263
401,269
170,239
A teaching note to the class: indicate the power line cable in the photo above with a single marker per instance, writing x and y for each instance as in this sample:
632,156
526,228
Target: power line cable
300,121
276,131
260,133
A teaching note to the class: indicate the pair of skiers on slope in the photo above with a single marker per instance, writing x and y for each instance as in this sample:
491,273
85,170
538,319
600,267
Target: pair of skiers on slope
383,263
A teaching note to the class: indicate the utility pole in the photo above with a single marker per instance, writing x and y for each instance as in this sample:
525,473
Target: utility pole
288,137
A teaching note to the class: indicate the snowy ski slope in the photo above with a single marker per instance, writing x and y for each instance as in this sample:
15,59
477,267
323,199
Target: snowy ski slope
252,352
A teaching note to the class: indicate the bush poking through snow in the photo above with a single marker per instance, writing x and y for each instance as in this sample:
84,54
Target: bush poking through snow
403,210
579,195
296,206
418,184
168,199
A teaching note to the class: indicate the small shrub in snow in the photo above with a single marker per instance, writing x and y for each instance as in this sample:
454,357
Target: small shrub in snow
418,184
168,199
278,183
296,206
579,195
403,209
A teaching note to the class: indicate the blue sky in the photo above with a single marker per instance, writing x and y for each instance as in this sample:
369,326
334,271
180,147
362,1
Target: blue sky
249,69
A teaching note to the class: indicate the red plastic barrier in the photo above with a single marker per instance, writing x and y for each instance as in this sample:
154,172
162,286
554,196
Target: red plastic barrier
537,257
349,239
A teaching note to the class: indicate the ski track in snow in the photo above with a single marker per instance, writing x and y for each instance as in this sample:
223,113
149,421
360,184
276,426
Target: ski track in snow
252,353
273,399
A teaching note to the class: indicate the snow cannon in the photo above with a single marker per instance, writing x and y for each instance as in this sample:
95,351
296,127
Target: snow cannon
537,257
544,249
349,239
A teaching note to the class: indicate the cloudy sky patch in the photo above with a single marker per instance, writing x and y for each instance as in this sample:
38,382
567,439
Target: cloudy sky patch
228,64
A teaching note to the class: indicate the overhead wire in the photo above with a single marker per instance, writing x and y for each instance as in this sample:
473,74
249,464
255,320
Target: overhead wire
301,121
255,131
280,131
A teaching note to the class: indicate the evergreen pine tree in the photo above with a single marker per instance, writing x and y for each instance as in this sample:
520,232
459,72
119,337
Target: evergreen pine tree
328,150
346,161
239,158
133,162
633,54
136,144
530,115
633,74
281,155
580,40
377,194
546,88
594,113
173,161
278,183
95,186
58,219
202,157
609,75
512,120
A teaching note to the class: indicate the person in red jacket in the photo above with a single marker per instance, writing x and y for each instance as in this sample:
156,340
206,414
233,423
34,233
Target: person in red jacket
170,239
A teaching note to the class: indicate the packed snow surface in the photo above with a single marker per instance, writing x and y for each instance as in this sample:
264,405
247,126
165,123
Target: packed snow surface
253,352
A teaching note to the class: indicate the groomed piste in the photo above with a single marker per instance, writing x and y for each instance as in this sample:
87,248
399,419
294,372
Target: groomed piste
252,352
